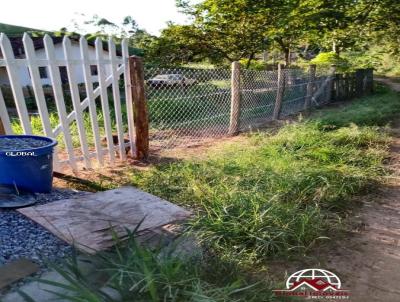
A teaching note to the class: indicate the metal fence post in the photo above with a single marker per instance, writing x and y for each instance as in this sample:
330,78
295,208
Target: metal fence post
235,99
280,91
331,83
310,87
140,113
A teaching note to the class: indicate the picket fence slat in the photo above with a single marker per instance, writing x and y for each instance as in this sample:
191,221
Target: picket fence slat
91,98
110,68
59,98
94,154
116,98
38,91
85,102
76,102
16,86
43,62
37,85
104,98
5,119
128,96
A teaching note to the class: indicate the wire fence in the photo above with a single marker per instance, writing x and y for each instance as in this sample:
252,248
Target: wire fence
187,106
104,107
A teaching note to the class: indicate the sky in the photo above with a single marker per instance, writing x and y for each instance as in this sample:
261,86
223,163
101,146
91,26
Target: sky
151,15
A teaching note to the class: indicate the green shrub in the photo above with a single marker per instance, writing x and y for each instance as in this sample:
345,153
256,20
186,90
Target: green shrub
254,64
326,59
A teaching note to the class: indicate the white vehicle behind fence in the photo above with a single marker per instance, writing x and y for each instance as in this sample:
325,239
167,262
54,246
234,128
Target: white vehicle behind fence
170,80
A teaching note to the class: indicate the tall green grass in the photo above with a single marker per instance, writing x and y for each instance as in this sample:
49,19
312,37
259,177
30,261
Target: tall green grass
132,272
375,110
272,195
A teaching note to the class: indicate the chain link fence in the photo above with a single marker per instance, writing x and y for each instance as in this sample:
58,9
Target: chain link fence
187,106
258,94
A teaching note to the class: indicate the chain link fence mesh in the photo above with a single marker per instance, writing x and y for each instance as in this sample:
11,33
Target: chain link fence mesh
187,106
258,94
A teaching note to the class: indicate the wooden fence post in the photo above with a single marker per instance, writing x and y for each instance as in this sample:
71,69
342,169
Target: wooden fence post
352,84
140,113
370,80
235,99
359,82
338,87
331,83
280,91
346,86
310,87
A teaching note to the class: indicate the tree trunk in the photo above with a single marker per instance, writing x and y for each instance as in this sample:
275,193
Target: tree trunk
335,48
251,57
287,56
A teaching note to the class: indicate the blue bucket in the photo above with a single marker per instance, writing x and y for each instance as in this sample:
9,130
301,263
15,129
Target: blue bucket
29,169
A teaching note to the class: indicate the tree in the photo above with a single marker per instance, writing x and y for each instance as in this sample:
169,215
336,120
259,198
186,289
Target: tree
177,44
241,28
101,27
230,29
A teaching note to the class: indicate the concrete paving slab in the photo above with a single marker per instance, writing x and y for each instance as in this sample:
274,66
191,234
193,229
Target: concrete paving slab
91,221
16,270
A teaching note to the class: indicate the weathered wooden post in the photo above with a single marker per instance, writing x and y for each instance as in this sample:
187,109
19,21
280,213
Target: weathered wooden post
346,86
359,82
331,83
352,85
370,78
310,87
235,99
368,81
338,87
140,113
280,91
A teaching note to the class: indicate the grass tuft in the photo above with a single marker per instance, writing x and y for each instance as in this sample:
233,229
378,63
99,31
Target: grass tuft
132,272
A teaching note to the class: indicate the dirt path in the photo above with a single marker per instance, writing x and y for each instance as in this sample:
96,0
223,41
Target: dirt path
369,261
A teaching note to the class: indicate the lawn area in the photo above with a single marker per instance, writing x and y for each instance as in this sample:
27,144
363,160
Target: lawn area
269,196
376,110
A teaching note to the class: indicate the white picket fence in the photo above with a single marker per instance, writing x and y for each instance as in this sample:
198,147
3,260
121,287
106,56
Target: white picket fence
110,68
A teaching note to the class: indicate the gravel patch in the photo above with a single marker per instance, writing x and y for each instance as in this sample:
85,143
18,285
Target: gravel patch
20,237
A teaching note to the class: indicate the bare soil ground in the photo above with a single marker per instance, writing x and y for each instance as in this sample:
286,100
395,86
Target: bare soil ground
369,260
367,257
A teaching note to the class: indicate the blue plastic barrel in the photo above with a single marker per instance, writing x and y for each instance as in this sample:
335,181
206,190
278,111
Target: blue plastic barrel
28,169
